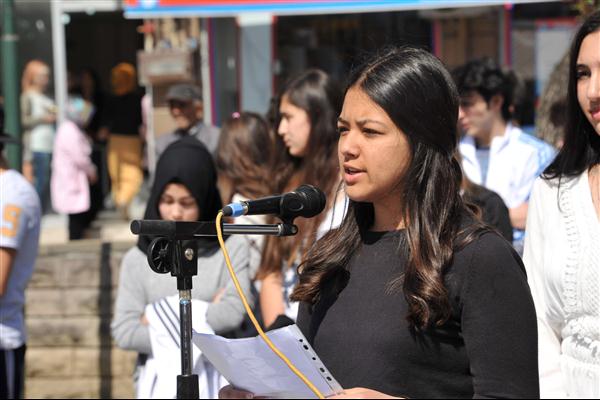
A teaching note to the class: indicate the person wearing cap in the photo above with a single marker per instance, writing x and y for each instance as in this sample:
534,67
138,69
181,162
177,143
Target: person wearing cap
20,216
187,110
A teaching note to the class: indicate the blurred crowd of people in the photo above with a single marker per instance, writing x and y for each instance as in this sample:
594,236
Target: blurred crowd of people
544,202
97,149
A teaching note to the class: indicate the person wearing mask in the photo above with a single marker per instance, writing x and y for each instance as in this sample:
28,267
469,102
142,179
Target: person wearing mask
20,216
187,110
38,115
496,154
73,169
562,246
184,189
412,296
304,154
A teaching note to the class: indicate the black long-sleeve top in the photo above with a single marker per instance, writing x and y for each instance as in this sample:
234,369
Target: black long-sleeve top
122,115
493,209
487,349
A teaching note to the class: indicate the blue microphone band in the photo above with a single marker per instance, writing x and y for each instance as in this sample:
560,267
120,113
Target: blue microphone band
235,210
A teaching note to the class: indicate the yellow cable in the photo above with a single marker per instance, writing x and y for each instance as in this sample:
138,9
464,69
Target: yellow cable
253,318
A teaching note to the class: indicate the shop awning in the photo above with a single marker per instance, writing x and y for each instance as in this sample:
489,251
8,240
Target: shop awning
222,8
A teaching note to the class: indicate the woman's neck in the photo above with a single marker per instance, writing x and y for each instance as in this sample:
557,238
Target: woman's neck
388,215
594,182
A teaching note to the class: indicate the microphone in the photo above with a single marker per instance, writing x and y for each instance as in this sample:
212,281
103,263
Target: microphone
306,201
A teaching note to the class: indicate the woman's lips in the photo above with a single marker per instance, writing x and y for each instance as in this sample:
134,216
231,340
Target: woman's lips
596,114
352,175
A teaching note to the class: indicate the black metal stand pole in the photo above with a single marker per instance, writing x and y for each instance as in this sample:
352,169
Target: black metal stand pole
187,383
185,266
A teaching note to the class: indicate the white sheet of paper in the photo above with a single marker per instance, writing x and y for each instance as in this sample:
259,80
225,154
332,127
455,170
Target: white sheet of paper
251,365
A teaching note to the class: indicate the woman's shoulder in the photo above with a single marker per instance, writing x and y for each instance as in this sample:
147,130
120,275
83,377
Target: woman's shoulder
543,185
548,193
486,241
134,258
486,253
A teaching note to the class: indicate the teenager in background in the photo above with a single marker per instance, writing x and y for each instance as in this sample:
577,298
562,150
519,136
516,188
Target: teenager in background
304,154
496,154
243,164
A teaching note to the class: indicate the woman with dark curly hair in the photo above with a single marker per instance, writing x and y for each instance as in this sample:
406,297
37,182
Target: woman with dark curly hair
411,296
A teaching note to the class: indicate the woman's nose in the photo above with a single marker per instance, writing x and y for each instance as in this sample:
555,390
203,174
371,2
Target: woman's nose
176,213
593,90
282,129
348,146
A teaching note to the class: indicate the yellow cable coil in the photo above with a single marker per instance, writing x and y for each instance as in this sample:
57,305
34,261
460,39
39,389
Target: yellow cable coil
251,314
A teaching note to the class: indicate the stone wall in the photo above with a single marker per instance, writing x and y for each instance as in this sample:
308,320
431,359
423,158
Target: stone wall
69,307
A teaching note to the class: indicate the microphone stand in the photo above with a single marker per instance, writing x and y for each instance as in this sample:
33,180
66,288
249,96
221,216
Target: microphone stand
175,250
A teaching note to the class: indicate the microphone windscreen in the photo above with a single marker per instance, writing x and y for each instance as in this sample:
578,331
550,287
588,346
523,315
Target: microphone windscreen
315,200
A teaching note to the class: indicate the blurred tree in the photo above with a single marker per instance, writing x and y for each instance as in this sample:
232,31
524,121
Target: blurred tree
549,117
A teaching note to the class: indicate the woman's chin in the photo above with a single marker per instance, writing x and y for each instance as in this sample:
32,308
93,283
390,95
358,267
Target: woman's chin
357,195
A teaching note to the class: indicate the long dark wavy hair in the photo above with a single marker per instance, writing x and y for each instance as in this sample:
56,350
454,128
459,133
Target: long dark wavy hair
581,148
419,95
315,92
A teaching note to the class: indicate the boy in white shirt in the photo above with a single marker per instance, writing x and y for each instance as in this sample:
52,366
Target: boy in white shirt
496,154
20,215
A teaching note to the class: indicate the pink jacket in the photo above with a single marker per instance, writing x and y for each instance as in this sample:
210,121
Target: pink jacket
71,167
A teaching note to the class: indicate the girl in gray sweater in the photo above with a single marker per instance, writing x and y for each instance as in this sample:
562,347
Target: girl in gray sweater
184,190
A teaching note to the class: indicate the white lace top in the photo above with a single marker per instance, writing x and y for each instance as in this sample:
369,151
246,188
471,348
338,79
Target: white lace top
562,258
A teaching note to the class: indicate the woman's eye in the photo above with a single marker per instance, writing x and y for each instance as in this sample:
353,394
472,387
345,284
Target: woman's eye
166,200
341,130
371,132
582,73
187,204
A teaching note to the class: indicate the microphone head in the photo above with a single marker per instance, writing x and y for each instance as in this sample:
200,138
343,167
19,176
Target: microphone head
307,201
